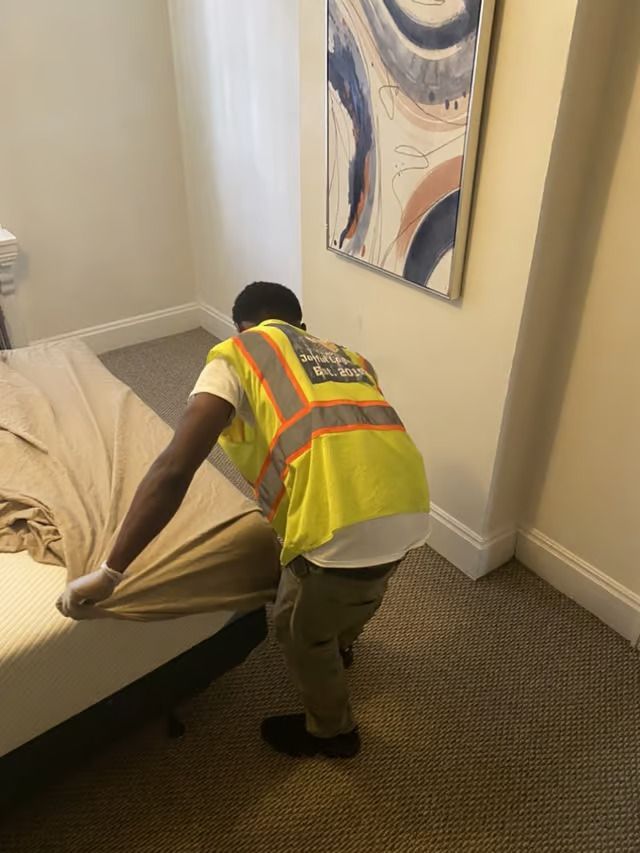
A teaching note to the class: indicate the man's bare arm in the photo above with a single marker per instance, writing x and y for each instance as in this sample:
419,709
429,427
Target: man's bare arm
163,488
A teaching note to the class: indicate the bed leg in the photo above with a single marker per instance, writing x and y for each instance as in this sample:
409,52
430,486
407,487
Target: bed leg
175,727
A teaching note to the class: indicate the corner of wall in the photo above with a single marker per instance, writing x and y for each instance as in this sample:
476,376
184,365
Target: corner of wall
473,554
215,322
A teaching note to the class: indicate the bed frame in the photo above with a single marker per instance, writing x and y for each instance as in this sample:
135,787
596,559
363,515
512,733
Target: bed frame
29,768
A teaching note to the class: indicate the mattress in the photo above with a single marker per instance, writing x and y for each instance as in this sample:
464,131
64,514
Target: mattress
52,668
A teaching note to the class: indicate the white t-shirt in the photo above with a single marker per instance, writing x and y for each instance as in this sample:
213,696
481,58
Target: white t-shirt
369,543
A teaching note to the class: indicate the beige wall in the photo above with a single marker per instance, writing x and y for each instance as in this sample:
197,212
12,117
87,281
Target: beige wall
447,367
90,163
237,72
585,493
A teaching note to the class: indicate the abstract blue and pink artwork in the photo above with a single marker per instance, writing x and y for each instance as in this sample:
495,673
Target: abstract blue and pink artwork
405,80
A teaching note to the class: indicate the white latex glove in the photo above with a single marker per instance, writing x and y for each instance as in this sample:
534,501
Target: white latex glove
87,591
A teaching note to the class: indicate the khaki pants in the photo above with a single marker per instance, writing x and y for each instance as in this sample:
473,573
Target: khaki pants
317,613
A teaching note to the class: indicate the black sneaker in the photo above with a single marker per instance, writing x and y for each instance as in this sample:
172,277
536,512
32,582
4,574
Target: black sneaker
288,735
347,657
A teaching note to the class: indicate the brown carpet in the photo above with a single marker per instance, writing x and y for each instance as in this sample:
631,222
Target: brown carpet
496,716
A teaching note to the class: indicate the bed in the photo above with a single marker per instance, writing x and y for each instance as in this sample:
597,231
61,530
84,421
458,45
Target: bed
74,444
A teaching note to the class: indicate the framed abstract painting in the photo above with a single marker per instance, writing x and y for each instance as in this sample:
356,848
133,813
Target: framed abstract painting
405,82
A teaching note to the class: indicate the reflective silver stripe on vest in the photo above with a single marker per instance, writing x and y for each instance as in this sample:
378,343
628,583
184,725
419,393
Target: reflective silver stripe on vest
273,373
300,433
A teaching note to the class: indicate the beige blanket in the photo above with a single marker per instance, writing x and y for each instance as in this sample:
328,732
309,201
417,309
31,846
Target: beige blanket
74,444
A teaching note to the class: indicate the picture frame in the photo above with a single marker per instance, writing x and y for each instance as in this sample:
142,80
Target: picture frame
404,96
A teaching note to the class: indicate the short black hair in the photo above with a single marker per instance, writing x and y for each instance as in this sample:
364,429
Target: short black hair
266,300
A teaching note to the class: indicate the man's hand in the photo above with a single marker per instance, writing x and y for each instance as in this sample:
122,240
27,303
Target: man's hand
88,590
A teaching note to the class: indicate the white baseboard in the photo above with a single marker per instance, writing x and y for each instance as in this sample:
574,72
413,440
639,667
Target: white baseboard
215,322
136,330
612,603
473,554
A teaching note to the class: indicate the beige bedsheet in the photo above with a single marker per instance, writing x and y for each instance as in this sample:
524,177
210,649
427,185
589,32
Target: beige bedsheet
74,444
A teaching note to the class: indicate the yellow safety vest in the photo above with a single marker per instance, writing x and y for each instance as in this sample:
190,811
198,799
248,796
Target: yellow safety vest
326,450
